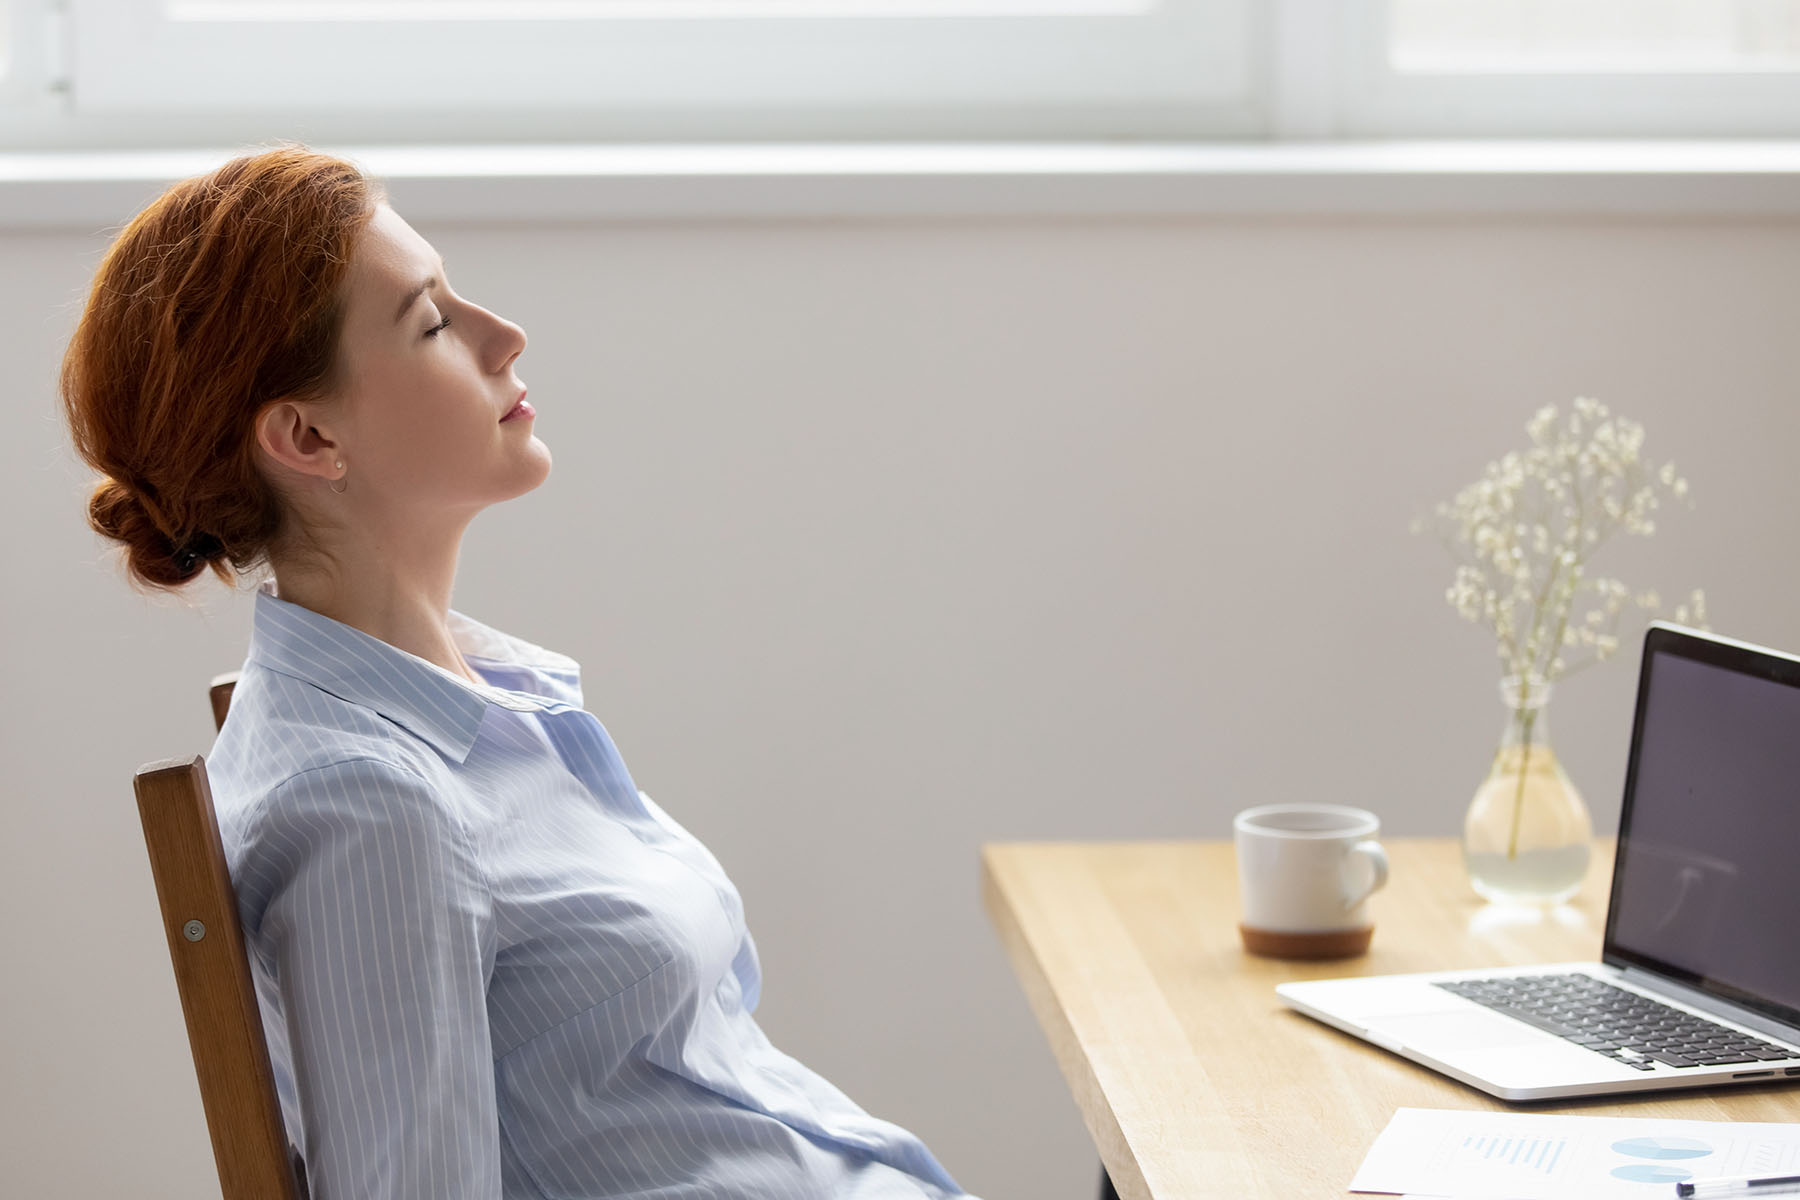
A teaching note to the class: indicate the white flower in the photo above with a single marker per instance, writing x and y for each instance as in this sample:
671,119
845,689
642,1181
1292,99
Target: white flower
1539,426
1693,612
1525,530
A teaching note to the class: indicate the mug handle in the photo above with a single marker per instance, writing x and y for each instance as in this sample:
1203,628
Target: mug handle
1372,853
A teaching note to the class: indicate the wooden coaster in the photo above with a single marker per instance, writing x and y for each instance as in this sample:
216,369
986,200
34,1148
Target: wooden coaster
1331,943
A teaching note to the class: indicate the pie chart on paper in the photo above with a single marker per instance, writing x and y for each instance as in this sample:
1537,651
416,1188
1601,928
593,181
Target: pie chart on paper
1663,1148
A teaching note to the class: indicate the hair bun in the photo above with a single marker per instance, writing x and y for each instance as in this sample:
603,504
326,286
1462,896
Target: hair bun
118,511
196,550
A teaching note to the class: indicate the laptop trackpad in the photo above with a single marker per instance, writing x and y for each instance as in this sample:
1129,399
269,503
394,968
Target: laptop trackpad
1437,1032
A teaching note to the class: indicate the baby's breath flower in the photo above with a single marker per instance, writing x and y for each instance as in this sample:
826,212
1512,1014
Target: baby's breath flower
1525,531
1539,425
1693,612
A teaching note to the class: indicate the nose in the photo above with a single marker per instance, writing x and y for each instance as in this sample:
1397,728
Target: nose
505,343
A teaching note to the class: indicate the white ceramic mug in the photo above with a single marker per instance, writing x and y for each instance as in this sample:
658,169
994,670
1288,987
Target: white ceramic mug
1305,875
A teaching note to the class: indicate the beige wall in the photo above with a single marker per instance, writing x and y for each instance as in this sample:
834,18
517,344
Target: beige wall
882,540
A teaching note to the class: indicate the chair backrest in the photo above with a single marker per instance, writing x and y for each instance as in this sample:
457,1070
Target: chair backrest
212,973
219,692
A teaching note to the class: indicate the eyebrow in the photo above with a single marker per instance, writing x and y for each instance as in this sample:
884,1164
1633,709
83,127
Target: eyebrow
416,292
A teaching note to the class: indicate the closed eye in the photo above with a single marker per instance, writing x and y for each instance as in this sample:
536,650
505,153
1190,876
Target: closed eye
438,328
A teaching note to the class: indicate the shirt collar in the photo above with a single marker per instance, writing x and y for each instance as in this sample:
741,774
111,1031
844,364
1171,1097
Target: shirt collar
421,697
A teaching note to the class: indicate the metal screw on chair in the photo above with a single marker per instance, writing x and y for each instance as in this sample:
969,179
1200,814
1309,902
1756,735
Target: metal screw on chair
193,931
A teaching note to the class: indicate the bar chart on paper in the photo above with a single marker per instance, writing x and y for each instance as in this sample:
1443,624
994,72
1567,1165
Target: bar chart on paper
1489,1154
1530,1157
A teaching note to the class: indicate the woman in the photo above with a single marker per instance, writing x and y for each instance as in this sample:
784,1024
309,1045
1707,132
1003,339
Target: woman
488,965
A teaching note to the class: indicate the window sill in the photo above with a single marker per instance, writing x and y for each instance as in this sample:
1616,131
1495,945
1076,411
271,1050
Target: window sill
672,183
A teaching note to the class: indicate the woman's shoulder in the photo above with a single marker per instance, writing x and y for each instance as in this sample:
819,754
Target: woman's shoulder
302,776
283,732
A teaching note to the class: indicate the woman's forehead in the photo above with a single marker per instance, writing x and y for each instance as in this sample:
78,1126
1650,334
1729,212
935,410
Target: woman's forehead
390,260
391,252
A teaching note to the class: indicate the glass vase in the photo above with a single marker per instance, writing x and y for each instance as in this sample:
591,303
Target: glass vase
1527,835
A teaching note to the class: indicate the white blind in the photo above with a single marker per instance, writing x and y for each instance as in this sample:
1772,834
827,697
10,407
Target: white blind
1594,35
1671,69
1032,63
550,10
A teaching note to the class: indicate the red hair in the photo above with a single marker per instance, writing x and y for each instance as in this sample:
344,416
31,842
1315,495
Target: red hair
225,294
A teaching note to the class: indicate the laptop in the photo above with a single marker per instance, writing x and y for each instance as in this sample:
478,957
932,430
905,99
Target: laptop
1698,984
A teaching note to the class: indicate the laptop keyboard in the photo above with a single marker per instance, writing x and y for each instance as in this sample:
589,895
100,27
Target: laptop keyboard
1622,1025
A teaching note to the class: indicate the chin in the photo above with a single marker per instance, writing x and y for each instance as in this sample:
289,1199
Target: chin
540,467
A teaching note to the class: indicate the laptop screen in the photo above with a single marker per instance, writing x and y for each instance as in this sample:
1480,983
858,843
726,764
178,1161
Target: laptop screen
1706,889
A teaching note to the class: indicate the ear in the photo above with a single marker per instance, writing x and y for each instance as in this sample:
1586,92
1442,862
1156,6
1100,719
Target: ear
290,434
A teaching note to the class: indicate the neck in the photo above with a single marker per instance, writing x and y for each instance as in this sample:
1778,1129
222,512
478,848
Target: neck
397,590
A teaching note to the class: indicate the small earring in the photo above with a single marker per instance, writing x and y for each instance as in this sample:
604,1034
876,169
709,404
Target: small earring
345,479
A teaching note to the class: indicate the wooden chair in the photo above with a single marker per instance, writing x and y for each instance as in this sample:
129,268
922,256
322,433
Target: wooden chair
212,973
219,693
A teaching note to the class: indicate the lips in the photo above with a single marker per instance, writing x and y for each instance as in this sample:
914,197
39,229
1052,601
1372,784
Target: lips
520,409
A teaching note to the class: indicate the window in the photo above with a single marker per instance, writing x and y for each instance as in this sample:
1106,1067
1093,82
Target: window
1594,36
207,72
1522,68
719,68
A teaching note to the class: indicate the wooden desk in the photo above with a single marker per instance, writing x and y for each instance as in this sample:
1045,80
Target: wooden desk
1192,1078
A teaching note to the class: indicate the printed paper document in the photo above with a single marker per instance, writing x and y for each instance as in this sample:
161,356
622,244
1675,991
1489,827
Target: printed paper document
1527,1156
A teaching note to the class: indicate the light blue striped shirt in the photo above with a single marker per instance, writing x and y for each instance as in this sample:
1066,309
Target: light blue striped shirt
488,965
